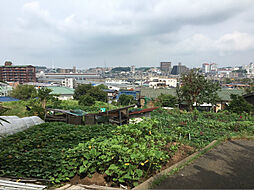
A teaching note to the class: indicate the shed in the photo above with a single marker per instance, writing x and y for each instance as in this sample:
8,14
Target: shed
117,116
68,116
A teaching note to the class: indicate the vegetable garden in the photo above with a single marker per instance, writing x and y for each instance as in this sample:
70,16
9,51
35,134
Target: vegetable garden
125,154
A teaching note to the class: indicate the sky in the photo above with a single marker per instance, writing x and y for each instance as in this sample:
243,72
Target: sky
99,33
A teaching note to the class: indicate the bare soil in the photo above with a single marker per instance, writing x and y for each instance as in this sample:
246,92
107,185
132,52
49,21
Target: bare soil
183,152
100,179
97,179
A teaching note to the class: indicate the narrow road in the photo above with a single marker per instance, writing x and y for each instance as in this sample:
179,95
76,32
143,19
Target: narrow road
228,166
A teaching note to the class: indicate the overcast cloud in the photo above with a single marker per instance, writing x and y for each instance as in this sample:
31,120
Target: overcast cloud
90,33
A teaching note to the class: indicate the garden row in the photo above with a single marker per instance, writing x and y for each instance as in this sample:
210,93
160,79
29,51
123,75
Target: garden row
126,154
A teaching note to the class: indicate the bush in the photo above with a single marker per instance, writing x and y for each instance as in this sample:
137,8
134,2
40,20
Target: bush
86,100
24,92
126,100
239,105
166,100
87,89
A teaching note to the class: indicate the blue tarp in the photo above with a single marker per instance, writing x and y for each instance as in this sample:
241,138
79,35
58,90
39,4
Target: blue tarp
8,99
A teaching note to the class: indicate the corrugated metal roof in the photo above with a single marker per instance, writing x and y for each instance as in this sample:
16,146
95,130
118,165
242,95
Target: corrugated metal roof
224,94
154,93
61,90
8,99
76,112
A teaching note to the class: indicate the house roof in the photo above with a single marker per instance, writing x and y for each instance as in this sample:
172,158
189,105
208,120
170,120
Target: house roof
224,94
8,99
154,93
61,90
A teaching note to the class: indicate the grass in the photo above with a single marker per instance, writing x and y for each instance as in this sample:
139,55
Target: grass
16,108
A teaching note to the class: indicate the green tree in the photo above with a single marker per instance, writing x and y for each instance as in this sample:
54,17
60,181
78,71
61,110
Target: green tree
24,92
195,88
250,88
44,95
81,90
102,87
98,94
86,100
125,100
227,80
166,100
38,106
239,105
87,89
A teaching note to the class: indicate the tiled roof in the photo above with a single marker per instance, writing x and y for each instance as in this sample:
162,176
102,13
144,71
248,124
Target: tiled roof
154,93
61,90
224,94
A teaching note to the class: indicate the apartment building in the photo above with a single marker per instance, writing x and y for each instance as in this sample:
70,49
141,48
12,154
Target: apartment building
158,82
17,73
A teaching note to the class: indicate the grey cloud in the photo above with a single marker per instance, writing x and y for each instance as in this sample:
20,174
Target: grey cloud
85,30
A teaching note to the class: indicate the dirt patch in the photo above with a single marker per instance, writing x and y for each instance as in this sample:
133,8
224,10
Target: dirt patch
183,152
97,179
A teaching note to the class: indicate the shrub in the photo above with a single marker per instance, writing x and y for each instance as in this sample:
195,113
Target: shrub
24,92
239,105
125,100
86,100
166,100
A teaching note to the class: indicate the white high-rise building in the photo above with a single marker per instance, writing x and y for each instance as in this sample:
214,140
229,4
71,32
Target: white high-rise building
69,82
213,67
206,68
250,69
133,69
209,68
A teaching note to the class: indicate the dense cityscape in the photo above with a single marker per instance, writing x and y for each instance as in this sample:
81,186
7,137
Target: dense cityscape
126,94
165,75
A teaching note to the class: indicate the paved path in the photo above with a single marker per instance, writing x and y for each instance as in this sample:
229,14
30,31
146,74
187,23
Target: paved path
230,166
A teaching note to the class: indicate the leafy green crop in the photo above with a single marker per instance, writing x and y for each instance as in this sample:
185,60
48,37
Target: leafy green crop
38,151
127,154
